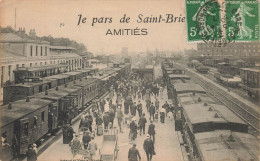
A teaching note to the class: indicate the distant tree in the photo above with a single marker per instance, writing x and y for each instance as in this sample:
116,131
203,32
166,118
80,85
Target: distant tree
8,29
53,41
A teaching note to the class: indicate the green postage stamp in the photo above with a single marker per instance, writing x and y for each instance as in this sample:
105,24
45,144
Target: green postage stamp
222,21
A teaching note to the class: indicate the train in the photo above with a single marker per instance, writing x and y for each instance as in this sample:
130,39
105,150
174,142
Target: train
198,66
209,130
233,73
36,109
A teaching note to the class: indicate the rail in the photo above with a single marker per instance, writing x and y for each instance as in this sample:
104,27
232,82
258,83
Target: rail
240,109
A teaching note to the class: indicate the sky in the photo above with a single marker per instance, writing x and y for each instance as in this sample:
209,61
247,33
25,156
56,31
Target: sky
46,16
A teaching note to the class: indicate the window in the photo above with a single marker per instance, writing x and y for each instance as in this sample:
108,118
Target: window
23,65
45,50
36,50
9,71
2,75
40,63
42,116
41,50
51,62
45,63
31,50
30,64
35,64
26,129
35,118
17,66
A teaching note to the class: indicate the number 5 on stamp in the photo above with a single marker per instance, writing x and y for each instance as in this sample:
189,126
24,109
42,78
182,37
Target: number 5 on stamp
244,20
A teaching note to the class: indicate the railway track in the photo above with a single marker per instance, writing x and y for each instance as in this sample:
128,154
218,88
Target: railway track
245,112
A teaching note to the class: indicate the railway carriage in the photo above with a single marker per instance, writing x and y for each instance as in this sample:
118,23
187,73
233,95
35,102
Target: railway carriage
74,75
38,71
39,108
206,126
182,88
23,122
251,81
202,69
61,79
21,91
89,90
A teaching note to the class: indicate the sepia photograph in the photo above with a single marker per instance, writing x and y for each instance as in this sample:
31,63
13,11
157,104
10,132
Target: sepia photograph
129,80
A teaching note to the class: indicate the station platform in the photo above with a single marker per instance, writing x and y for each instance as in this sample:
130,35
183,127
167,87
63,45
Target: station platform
167,146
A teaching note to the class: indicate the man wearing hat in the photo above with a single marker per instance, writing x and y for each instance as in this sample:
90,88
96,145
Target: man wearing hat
92,147
133,129
86,139
148,148
152,112
133,109
133,153
139,108
75,145
151,131
106,120
141,123
31,153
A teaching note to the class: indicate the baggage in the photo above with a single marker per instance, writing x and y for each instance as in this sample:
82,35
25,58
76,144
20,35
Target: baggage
100,130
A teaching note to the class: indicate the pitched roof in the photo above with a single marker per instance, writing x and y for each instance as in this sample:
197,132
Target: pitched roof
12,37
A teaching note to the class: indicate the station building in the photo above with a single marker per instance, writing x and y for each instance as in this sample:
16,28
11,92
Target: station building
26,53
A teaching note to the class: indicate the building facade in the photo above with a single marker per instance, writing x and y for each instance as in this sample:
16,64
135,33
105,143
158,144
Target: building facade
247,49
19,51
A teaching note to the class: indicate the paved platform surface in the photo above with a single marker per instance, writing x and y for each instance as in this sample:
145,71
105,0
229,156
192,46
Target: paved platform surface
167,145
248,103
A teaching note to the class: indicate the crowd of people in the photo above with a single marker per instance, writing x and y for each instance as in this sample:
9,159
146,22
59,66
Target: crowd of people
126,109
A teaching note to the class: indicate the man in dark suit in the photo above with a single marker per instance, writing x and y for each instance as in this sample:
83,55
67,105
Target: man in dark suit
106,120
140,109
148,148
151,131
142,122
86,139
31,153
133,153
152,112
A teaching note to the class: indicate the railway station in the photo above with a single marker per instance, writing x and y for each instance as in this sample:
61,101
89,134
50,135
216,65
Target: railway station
187,116
115,97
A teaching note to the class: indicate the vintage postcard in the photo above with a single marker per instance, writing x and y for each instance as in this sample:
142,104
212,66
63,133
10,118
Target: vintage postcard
129,80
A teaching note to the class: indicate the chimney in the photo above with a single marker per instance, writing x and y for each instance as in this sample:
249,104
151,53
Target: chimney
57,88
46,93
66,85
32,34
27,99
21,31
